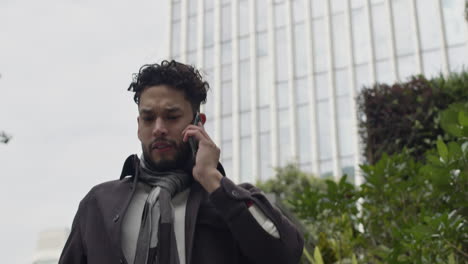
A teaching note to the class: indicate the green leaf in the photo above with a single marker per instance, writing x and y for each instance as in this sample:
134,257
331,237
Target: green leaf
317,256
442,149
463,118
451,259
308,256
354,260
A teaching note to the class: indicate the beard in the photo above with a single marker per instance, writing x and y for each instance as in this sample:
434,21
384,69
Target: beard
177,161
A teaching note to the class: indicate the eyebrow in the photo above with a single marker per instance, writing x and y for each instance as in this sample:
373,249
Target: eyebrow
170,110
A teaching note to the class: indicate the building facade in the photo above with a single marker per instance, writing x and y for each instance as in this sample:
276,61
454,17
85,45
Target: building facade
284,73
49,246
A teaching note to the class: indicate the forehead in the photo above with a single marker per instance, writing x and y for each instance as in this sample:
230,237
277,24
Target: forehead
163,97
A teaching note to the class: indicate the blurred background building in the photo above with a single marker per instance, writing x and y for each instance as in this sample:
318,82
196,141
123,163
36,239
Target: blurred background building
284,73
49,246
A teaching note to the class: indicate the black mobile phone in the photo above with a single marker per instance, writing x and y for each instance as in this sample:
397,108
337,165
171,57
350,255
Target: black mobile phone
192,141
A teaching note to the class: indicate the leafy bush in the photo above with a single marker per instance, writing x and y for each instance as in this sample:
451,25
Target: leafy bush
412,210
407,114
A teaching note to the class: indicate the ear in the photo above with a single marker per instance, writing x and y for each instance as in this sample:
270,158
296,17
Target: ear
138,125
202,118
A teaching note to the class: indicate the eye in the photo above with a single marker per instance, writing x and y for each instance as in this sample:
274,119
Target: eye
173,117
147,118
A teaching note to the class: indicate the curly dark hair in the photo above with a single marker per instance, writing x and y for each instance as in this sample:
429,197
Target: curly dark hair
174,74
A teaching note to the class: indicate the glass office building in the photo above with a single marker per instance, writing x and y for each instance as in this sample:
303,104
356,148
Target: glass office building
284,73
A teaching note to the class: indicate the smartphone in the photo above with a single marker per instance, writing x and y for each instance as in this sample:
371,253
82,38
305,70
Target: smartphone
192,141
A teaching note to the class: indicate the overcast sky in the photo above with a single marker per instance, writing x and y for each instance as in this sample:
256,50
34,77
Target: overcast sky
65,67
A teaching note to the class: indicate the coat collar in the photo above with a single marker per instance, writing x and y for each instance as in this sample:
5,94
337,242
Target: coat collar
196,196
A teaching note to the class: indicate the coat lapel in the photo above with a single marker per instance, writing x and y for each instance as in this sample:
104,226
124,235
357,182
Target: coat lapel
196,196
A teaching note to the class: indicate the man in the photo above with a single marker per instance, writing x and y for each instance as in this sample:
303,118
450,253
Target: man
174,205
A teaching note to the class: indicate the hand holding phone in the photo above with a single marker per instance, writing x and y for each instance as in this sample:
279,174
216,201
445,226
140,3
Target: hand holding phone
192,141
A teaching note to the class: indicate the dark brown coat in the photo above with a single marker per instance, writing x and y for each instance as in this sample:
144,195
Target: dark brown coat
218,227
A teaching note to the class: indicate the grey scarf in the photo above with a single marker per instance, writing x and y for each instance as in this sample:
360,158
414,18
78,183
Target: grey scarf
157,221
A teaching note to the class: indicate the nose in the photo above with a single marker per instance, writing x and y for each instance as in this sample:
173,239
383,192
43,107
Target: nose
159,128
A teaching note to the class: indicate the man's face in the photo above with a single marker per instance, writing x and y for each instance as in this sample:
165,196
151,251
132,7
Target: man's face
163,115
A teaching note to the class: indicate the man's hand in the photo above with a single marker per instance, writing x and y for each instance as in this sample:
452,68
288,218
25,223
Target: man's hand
207,158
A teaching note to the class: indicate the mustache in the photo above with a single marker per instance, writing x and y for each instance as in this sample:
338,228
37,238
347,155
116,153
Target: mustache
165,141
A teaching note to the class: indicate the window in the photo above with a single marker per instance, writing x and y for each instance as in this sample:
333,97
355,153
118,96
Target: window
282,94
244,48
244,17
245,124
226,98
326,168
458,58
226,23
261,14
406,67
305,153
281,55
346,134
244,85
266,170
208,34
209,4
340,41
341,82
226,73
318,7
360,36
454,21
381,31
302,91
226,55
175,49
226,123
264,115
324,120
300,50
192,7
321,86
175,11
264,81
320,46
262,44
280,15
192,33
404,36
338,5
385,72
362,76
298,10
284,137
432,63
429,24
246,160
208,58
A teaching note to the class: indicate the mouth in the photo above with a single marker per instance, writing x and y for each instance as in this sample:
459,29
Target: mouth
161,146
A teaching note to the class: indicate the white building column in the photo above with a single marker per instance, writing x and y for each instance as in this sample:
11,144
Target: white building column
235,92
314,144
291,83
372,71
200,40
183,30
417,39
217,72
169,47
391,29
337,173
443,43
273,101
352,94
254,91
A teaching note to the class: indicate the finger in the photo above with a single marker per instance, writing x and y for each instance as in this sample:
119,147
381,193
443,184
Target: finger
193,133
